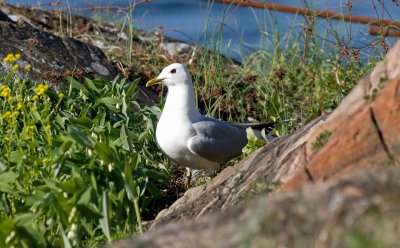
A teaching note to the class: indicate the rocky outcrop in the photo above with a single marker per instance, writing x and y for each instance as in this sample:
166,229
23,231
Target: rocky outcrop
356,211
337,168
45,39
52,58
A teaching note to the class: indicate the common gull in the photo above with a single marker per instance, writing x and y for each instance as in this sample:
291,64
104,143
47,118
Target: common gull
189,138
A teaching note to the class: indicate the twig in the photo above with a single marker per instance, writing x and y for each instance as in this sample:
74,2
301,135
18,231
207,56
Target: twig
373,30
319,13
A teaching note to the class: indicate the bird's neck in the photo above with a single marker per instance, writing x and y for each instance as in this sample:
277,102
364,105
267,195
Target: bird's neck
180,99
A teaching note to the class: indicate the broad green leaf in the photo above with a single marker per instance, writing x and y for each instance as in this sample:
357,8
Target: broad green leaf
79,137
15,157
89,211
74,85
104,221
82,122
151,173
6,179
90,85
130,183
112,103
87,197
132,87
105,152
67,244
153,189
25,224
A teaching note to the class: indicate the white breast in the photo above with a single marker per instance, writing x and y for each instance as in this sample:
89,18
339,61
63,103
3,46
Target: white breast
172,136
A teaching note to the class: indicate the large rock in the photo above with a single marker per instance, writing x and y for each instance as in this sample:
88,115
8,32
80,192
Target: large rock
338,153
356,211
52,58
40,36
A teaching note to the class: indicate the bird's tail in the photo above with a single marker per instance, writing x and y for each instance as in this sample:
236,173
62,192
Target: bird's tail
258,127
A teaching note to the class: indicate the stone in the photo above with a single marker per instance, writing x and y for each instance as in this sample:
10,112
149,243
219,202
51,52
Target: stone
176,48
51,57
357,209
37,36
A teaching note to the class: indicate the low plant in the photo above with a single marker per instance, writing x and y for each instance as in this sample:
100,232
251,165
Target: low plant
321,140
78,163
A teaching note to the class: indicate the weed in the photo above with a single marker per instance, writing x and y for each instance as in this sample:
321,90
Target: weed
260,187
77,164
321,140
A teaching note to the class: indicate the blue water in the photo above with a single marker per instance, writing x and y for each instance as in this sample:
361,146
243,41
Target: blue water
239,31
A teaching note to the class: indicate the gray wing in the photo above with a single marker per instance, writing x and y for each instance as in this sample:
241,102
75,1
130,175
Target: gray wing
217,141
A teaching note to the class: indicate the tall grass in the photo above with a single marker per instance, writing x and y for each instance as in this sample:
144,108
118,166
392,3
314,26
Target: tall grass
293,75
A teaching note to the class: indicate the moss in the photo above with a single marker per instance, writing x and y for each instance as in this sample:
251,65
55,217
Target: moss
321,140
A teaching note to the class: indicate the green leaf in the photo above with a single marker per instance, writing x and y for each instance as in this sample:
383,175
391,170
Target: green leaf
90,85
152,173
67,244
26,230
82,122
15,157
130,183
112,102
104,222
87,196
253,142
66,145
100,82
89,211
35,115
132,87
73,85
124,137
153,189
105,152
79,137
7,178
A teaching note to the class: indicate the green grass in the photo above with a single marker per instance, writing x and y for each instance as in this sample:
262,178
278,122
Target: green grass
295,75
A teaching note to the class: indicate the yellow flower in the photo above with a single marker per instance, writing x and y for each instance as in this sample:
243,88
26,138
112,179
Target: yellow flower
10,58
35,98
27,67
17,56
30,128
20,105
15,113
7,115
41,89
15,67
5,92
34,108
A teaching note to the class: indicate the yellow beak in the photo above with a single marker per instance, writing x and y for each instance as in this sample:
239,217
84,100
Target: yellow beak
153,81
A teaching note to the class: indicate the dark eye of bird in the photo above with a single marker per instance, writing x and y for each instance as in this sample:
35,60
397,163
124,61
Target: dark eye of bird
173,70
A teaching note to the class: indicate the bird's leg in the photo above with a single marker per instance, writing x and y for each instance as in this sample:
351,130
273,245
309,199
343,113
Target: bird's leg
188,177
